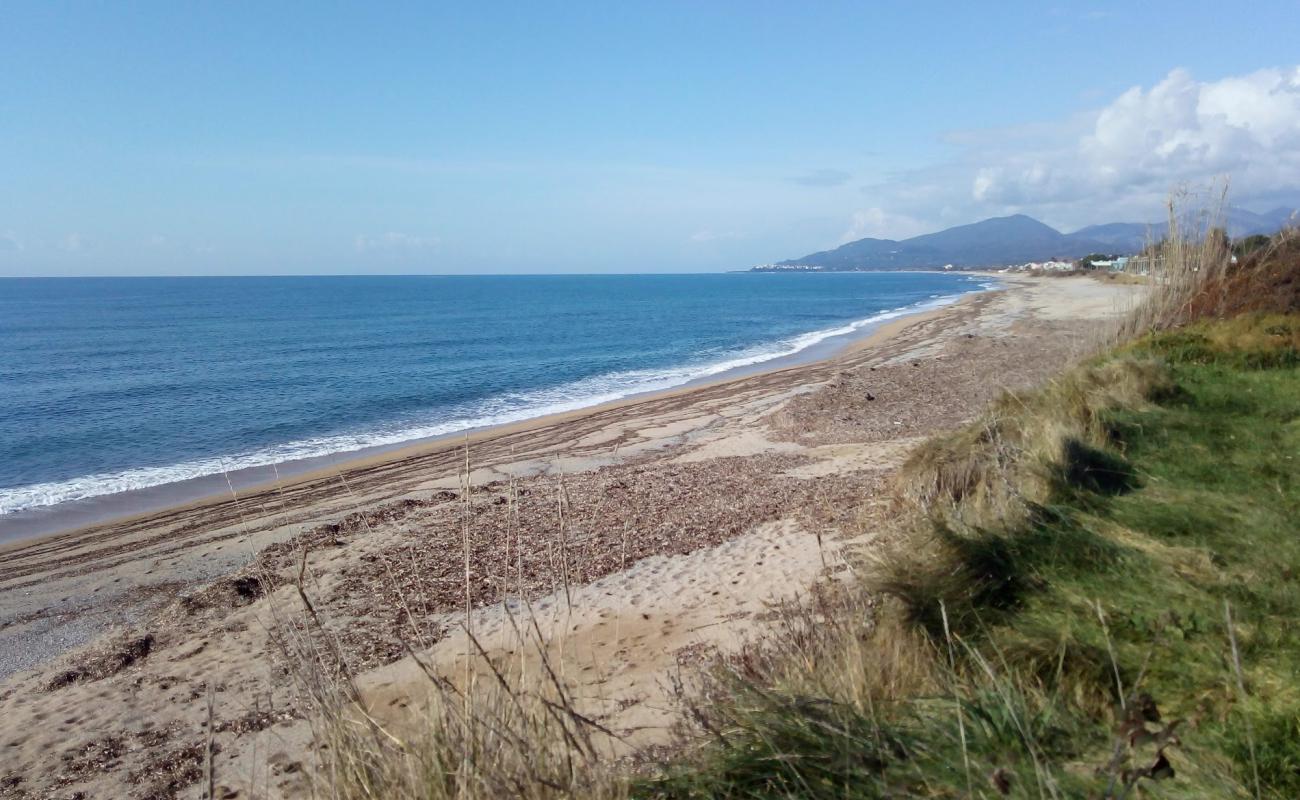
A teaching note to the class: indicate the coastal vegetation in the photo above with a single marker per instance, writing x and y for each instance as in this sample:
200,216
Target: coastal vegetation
1089,593
1097,594
1094,594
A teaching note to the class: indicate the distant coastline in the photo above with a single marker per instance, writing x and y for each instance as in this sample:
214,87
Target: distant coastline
1017,239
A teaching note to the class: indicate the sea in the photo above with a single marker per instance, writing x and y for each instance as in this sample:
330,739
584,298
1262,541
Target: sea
114,386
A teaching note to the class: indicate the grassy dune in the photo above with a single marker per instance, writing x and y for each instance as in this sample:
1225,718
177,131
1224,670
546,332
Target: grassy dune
1100,595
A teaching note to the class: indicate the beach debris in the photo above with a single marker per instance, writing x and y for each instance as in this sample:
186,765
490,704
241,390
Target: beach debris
167,773
240,589
111,659
614,516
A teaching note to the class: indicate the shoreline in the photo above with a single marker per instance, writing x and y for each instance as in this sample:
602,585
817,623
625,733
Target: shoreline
79,516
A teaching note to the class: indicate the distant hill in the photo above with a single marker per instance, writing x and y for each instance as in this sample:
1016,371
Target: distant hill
1133,236
1123,237
1010,240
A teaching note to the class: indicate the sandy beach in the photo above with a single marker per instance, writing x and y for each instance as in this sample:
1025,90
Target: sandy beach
675,521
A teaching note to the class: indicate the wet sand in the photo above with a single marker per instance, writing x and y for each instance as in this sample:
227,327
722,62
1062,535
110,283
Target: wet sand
683,513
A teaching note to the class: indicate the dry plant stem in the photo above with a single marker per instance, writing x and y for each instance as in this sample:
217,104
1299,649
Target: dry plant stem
519,576
354,693
424,588
1241,691
1040,771
397,585
469,609
622,567
562,495
209,776
961,721
1110,651
466,509
821,550
510,691
511,542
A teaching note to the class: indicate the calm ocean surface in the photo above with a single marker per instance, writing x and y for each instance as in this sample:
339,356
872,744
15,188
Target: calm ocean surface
114,384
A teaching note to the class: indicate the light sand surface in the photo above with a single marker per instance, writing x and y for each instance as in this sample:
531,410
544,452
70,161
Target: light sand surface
675,519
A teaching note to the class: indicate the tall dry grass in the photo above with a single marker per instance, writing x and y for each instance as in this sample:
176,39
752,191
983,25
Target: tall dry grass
492,726
1193,252
1193,275
498,732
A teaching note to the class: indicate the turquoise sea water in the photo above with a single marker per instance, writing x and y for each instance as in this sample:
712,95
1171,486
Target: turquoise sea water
116,384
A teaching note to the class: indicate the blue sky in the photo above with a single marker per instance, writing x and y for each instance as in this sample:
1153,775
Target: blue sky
177,138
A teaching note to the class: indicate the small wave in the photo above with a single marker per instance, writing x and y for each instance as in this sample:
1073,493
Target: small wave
500,410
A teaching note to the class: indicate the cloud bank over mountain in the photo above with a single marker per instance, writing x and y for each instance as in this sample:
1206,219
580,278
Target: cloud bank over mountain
1117,162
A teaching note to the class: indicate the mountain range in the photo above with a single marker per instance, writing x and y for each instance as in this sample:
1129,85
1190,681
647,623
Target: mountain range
1012,240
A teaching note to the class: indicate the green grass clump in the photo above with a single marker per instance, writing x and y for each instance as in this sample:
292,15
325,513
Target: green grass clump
1002,469
1099,598
1250,341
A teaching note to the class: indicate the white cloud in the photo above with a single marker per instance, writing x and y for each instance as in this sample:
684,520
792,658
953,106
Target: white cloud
9,242
878,224
985,180
392,242
1115,163
1184,130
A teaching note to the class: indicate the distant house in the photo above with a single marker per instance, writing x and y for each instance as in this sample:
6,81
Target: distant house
1114,264
787,268
1143,265
1041,266
1049,266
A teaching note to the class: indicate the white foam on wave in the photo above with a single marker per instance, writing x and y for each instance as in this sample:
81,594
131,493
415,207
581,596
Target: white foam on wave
499,410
